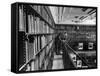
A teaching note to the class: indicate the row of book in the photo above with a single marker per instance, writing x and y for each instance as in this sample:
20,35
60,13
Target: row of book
42,11
38,46
35,24
39,43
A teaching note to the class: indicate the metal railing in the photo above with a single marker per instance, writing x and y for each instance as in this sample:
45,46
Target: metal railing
70,50
29,63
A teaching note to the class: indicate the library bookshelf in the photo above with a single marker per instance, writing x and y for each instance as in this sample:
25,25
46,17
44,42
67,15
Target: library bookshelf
33,37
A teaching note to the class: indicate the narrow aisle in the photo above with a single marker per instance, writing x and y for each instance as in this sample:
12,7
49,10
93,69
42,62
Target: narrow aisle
57,62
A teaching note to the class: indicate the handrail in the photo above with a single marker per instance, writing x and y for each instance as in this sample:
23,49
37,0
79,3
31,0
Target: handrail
44,47
26,64
75,52
35,55
77,55
71,60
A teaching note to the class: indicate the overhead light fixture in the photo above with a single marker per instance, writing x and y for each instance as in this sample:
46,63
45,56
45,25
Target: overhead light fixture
81,17
91,11
76,21
76,16
84,9
84,17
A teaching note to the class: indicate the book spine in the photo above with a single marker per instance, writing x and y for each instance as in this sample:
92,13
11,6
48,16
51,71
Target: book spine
21,18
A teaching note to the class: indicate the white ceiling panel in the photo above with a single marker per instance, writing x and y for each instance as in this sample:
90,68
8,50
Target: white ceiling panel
73,15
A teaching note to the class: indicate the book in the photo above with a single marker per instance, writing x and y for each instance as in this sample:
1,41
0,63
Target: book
21,19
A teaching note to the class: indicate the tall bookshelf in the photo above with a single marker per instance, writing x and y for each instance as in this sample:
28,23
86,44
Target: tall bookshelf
36,29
